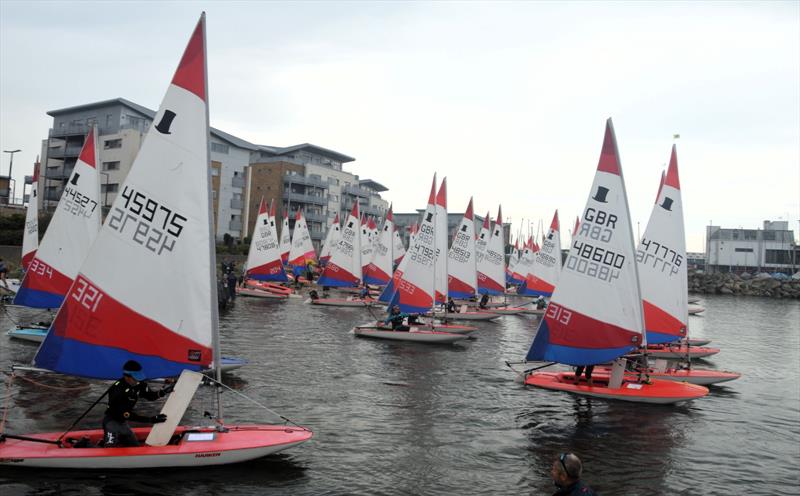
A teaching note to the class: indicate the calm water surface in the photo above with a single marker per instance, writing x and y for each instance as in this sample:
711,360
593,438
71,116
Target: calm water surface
404,418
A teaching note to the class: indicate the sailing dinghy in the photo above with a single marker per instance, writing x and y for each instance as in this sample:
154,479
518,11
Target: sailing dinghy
122,304
302,251
661,259
595,314
264,265
66,242
30,236
415,285
331,238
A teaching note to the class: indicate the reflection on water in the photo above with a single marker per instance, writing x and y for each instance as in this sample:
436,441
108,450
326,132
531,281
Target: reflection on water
406,418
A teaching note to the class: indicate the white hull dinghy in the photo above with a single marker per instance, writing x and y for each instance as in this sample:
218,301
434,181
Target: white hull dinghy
415,334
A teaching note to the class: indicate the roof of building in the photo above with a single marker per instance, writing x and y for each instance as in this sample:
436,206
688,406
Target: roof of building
149,114
277,151
373,185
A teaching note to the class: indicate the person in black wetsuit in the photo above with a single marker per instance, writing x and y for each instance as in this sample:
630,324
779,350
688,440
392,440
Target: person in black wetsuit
451,305
580,370
566,473
484,303
122,398
396,318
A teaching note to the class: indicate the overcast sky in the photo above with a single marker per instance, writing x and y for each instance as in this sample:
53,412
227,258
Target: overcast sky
508,100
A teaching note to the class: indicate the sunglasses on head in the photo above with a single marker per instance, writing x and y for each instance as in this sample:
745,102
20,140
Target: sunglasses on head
564,465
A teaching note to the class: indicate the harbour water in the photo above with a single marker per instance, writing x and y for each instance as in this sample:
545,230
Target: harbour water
404,418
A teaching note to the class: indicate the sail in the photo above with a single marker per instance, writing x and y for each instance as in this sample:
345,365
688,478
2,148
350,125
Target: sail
482,241
331,238
513,261
286,238
379,271
595,313
373,232
662,263
264,259
145,290
366,244
491,268
344,267
72,230
463,275
399,248
415,288
546,264
30,236
302,250
387,295
525,265
440,226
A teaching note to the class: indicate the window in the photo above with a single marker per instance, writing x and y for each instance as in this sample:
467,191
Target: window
769,235
779,257
744,250
333,198
333,180
108,120
215,171
108,166
219,148
109,188
114,143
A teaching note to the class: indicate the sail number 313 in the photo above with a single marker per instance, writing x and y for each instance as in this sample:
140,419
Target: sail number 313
558,313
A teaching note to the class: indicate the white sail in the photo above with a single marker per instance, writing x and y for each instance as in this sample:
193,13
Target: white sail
30,236
441,240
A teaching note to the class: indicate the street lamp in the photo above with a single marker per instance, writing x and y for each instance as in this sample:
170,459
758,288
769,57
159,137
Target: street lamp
10,168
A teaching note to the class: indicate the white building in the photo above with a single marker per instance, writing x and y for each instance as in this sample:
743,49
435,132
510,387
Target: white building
737,250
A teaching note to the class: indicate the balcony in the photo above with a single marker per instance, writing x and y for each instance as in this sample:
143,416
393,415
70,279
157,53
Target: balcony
72,129
308,181
356,191
302,198
371,210
237,182
238,204
314,217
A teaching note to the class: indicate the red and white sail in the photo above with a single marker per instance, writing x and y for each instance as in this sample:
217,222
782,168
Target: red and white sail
542,279
379,271
482,241
441,243
595,313
416,286
286,238
264,258
145,290
30,236
302,250
492,267
373,231
72,230
662,263
462,271
399,248
344,267
331,238
366,243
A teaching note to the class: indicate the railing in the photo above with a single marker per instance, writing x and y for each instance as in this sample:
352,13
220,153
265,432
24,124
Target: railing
314,217
308,181
371,210
301,198
356,191
239,204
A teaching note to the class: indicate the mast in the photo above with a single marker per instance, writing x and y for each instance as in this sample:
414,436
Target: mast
633,244
211,245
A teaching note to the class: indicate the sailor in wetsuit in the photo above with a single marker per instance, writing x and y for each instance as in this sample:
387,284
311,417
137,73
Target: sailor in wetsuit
396,319
484,303
122,397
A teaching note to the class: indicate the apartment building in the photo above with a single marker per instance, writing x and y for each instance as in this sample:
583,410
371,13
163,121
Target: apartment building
122,126
310,178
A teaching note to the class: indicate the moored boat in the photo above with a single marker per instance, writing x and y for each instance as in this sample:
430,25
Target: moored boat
680,351
415,334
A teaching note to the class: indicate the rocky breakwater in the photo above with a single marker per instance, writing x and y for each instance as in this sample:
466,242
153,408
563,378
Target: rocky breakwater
745,284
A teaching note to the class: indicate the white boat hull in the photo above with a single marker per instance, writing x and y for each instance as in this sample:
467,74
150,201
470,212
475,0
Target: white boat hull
467,316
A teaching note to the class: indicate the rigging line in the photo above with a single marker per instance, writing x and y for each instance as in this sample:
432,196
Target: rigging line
6,401
47,386
256,403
